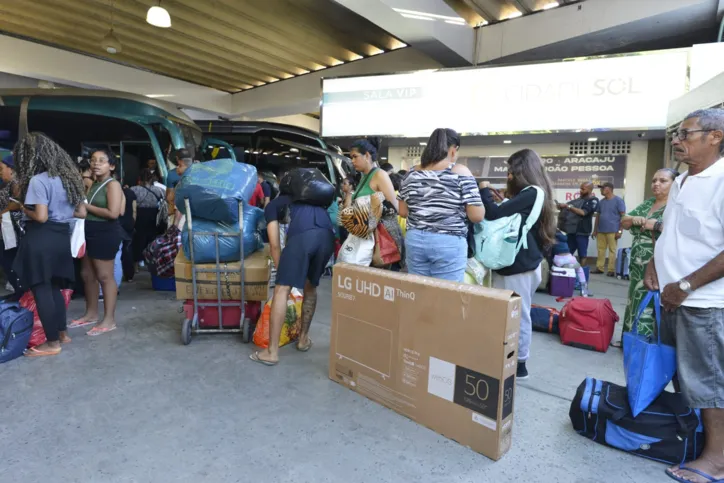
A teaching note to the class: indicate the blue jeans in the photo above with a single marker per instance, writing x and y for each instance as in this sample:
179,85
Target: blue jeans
436,255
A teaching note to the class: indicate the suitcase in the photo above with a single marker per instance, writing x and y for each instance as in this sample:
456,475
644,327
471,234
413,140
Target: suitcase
230,315
16,325
623,261
563,282
588,323
545,319
667,431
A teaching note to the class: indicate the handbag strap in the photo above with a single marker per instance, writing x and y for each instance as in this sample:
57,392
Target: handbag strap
158,198
99,188
656,297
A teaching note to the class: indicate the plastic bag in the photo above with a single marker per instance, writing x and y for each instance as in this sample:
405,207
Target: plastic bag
292,322
77,239
357,251
214,189
27,301
475,273
361,218
205,245
307,185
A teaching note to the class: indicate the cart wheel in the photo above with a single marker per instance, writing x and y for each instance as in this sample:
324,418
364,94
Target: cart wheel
186,332
246,331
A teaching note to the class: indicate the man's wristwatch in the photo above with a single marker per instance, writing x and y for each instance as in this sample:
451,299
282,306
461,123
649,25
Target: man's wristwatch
685,286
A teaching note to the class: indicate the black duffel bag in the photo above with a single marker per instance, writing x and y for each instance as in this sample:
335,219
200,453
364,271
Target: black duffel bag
307,185
667,431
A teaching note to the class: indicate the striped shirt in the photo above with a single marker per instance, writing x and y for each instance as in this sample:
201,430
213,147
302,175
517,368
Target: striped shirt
436,201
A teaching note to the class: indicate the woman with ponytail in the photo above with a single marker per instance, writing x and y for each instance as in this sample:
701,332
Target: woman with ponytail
438,198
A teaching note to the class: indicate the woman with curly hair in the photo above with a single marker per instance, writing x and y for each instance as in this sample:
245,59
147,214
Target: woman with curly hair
52,193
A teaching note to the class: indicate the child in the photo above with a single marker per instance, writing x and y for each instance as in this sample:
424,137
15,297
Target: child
562,258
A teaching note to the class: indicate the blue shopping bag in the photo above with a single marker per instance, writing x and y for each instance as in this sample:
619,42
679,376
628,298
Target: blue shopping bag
649,365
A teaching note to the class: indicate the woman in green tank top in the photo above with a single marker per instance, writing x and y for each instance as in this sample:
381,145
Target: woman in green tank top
375,180
102,238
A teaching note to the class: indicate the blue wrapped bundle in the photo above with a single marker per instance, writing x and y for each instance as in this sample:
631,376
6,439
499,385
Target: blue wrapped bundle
214,189
204,245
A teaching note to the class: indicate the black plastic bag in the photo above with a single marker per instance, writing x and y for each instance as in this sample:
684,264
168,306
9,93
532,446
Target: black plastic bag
307,185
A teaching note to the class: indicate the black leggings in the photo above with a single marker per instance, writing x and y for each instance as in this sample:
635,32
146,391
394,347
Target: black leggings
51,309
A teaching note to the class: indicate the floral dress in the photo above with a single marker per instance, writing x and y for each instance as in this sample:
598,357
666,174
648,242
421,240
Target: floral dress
642,251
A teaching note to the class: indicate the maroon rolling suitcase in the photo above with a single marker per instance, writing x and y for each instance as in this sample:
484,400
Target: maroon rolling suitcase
209,316
588,323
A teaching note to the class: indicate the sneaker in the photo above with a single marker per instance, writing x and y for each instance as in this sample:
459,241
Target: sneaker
522,373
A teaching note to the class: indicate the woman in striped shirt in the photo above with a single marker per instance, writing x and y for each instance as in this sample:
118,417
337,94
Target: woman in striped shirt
438,199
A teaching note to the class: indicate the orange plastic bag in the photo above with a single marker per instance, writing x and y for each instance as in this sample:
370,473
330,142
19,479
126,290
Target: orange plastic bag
292,322
27,301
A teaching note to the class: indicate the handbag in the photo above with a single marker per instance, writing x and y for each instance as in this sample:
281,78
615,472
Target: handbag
648,364
357,251
162,206
386,252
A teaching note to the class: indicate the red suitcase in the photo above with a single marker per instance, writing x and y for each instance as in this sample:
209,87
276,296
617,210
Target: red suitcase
588,323
209,316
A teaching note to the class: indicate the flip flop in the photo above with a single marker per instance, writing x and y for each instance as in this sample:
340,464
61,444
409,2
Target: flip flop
33,352
255,357
307,347
79,323
98,330
709,478
67,341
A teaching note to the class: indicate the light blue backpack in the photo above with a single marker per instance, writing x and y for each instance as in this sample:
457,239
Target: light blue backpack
498,242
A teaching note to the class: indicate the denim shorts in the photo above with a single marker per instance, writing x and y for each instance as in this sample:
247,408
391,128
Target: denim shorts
698,335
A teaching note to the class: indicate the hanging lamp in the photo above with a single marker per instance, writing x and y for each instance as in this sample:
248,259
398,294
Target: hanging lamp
158,16
110,42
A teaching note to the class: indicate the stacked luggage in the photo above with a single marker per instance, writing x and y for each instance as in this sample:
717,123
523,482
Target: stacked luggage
214,190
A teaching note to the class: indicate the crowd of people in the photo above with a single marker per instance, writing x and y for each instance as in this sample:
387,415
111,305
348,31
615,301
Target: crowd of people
677,241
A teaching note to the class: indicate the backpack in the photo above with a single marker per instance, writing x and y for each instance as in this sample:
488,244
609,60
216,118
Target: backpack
588,323
16,325
162,205
666,431
545,319
497,242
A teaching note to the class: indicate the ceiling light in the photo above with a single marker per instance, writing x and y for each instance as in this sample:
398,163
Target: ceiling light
515,14
383,158
417,13
158,16
592,140
356,57
287,156
294,150
255,152
246,151
417,17
548,6
423,144
337,62
321,67
398,45
507,141
111,44
482,23
376,52
157,96
275,154
303,71
273,80
298,157
455,22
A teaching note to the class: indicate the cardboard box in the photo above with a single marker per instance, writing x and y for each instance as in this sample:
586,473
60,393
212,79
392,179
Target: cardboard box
257,268
441,353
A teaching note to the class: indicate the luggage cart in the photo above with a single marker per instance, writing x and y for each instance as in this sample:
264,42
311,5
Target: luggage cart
191,326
